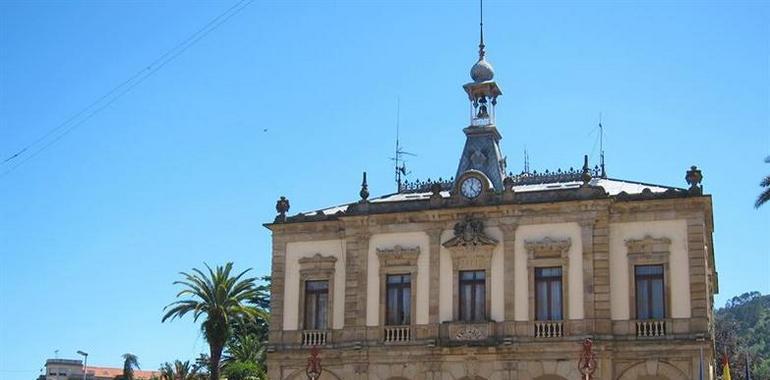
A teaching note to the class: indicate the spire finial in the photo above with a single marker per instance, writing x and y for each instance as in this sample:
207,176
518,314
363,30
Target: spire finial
364,193
481,30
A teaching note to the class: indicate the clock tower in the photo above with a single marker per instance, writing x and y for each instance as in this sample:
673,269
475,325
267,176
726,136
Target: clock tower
482,155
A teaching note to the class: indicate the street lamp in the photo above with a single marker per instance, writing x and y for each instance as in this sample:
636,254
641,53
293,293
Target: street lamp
85,362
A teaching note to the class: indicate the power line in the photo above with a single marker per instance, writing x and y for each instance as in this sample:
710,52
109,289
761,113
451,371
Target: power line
120,90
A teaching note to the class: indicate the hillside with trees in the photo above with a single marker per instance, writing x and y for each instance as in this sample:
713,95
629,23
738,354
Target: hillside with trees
742,329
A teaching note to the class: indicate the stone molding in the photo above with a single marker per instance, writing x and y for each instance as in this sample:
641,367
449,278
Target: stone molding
649,251
316,263
398,260
547,248
548,252
316,268
398,256
648,247
471,249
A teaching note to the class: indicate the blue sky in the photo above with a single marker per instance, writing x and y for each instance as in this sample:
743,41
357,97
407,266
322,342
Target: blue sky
297,99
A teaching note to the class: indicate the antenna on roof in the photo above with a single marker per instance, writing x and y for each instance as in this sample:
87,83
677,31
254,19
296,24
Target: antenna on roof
601,147
400,169
526,161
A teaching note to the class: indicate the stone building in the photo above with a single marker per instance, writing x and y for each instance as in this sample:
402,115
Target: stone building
497,276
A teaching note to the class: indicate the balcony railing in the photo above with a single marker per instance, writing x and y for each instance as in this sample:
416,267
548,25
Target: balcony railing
394,334
651,328
549,329
314,337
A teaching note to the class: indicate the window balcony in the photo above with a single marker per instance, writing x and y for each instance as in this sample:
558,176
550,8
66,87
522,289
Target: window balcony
549,329
397,334
651,328
315,337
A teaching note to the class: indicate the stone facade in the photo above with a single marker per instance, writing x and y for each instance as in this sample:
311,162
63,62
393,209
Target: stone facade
509,345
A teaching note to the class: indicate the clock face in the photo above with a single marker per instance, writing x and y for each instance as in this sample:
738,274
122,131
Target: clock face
471,187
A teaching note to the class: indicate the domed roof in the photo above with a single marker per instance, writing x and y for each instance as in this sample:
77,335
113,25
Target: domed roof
482,71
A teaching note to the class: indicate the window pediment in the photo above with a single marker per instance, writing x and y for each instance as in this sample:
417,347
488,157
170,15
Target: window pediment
398,256
548,248
317,265
648,246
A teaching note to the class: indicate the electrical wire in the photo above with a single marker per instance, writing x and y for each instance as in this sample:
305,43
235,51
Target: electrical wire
120,90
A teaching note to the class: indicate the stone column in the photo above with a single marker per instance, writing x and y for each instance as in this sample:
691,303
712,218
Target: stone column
356,246
601,274
277,288
587,237
696,250
509,267
434,237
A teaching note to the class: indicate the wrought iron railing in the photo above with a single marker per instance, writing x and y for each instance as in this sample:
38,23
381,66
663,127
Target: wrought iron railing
523,178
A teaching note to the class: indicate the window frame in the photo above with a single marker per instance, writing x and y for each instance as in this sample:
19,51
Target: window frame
316,296
474,283
548,253
398,260
649,251
549,280
400,288
649,278
316,268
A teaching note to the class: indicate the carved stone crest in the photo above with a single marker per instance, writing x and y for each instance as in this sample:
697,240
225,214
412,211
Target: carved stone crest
469,332
470,232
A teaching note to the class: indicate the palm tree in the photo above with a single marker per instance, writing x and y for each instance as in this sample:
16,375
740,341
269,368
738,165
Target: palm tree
130,361
221,299
764,196
179,371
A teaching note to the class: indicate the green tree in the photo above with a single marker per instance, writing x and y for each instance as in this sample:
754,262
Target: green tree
248,341
243,371
130,362
179,371
764,196
742,331
221,299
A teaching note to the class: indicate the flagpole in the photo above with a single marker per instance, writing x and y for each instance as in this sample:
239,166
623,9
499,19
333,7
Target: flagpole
701,369
748,367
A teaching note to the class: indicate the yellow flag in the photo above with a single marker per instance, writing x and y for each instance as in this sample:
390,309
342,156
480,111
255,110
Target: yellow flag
726,371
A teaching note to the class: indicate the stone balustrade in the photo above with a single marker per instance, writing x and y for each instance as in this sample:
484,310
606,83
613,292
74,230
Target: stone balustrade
651,328
549,329
315,337
493,333
395,334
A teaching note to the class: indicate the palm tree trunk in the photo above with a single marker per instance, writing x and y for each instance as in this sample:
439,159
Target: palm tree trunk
215,349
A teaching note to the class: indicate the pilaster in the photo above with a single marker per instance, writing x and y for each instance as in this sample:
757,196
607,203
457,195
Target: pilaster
600,239
696,250
434,236
587,237
356,247
278,287
509,268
